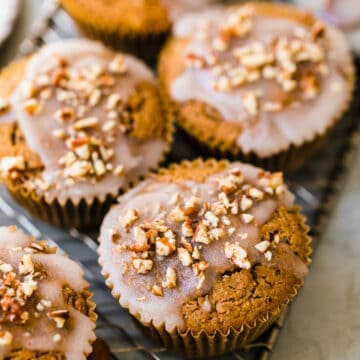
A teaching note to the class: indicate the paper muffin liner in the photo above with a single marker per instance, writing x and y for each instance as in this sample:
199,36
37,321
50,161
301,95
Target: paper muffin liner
204,344
287,161
85,214
210,144
92,314
145,45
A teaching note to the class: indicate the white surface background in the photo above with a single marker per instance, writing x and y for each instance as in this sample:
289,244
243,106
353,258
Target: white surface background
324,323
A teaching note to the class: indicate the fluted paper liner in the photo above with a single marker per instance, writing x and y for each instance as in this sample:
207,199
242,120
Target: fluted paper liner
205,344
144,44
211,143
92,314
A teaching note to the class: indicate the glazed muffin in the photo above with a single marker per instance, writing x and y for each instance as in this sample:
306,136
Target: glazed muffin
261,82
139,27
45,304
205,255
89,123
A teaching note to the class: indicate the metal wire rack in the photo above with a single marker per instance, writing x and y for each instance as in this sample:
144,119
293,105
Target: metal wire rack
315,186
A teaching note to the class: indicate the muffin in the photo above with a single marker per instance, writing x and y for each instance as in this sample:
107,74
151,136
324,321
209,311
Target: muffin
139,27
260,82
89,123
205,255
45,305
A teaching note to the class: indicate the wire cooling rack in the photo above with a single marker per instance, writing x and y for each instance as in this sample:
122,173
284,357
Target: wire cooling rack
315,186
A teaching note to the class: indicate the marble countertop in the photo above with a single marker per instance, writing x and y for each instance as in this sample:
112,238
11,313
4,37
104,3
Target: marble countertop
324,322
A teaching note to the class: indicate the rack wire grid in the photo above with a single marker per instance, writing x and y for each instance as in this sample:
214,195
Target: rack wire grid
315,185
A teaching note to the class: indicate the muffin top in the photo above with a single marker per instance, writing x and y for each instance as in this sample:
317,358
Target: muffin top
90,119
136,16
277,75
175,239
44,306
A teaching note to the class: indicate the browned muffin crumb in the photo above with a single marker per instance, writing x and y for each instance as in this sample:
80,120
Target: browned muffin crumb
120,17
78,301
243,296
35,355
11,76
186,170
287,226
211,120
145,119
